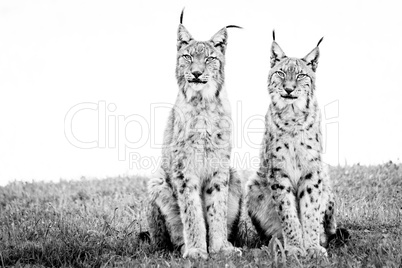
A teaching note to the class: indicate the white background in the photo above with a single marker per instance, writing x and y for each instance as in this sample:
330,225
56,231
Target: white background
58,54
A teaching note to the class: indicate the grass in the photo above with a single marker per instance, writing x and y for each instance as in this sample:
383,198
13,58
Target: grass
95,223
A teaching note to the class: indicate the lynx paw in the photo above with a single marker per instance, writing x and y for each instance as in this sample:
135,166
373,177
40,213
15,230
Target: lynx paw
195,253
231,250
226,248
295,251
317,251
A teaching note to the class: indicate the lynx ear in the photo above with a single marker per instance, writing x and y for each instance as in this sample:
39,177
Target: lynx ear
312,58
219,40
183,37
277,53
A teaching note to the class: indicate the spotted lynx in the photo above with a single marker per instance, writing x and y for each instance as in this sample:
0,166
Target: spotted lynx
290,196
195,200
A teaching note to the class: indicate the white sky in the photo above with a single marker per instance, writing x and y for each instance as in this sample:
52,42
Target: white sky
55,55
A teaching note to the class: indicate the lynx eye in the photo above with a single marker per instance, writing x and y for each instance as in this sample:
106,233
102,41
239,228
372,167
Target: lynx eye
210,59
301,76
187,57
280,74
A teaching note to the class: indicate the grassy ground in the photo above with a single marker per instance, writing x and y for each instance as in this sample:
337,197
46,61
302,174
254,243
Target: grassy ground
95,223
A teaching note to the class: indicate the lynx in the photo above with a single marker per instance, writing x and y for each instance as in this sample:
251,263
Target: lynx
290,196
195,199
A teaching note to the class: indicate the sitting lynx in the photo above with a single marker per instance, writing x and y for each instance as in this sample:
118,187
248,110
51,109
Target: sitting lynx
290,196
195,200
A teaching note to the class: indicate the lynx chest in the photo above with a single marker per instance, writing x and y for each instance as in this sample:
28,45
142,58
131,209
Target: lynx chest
204,138
296,154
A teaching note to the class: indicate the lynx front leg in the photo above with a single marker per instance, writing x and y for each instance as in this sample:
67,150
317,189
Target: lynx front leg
286,207
194,230
310,199
164,214
261,208
216,197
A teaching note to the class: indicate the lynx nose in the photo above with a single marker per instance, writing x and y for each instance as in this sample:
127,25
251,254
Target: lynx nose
197,74
289,90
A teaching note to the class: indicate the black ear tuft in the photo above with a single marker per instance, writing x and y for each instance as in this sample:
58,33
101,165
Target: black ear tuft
234,26
319,42
273,34
181,16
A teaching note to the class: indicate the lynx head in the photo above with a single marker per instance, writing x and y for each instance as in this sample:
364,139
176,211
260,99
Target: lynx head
200,64
291,80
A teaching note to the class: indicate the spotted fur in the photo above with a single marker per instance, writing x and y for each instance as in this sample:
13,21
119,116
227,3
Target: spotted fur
290,196
195,199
